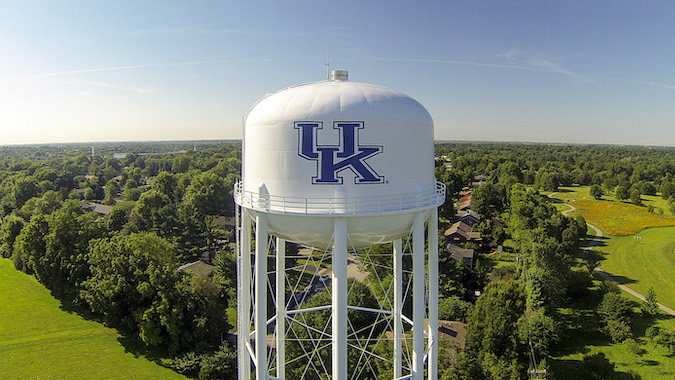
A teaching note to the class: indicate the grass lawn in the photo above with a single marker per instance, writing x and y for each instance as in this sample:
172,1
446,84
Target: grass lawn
644,262
580,336
38,339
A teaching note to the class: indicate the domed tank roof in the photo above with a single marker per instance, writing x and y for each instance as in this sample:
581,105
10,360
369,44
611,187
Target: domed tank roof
338,148
305,140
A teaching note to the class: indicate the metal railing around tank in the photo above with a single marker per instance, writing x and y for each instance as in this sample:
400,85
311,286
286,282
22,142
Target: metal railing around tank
329,206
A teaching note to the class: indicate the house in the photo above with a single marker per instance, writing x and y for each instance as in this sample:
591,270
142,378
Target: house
199,267
461,233
479,180
224,221
470,217
464,202
464,256
97,208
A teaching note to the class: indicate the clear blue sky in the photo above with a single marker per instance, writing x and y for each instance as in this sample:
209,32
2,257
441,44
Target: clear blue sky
540,71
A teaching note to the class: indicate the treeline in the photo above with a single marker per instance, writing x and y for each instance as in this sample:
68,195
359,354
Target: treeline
123,266
516,314
630,171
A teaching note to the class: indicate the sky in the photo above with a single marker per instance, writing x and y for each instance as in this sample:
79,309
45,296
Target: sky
526,71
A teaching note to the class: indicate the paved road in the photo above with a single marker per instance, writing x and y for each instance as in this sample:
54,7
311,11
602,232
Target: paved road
605,275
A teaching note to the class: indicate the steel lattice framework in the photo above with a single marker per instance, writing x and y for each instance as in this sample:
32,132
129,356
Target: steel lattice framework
295,319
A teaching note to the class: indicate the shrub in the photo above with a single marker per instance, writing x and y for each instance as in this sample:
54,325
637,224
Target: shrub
652,332
597,366
610,287
650,306
219,365
618,330
453,309
633,346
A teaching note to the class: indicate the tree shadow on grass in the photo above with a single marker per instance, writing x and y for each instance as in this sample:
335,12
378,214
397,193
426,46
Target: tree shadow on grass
135,346
601,241
622,280
129,340
73,306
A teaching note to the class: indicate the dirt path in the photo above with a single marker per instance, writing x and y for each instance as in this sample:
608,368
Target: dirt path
605,275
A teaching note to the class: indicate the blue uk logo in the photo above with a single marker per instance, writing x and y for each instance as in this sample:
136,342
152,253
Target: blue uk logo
333,159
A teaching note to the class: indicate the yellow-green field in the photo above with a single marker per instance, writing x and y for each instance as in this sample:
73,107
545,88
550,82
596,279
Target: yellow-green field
39,340
613,217
619,219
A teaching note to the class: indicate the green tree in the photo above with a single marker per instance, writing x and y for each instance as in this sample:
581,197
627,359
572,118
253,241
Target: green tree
9,231
32,246
165,183
538,329
155,212
582,226
133,283
24,189
597,366
89,194
207,197
488,200
616,313
453,309
635,196
621,193
596,191
205,305
493,347
651,305
111,189
667,189
219,365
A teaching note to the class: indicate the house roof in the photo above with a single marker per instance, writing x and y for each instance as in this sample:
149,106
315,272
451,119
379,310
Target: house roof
462,229
459,252
471,214
198,267
97,208
457,228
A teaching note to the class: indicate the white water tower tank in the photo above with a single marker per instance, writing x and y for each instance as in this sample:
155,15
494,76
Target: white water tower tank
335,148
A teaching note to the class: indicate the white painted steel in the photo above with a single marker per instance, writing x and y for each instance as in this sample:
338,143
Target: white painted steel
261,248
418,297
339,311
432,361
398,307
244,296
278,180
342,205
398,123
281,308
280,192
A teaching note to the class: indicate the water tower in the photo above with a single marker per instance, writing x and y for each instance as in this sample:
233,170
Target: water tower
337,167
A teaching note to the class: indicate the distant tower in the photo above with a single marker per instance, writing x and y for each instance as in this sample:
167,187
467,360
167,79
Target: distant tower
338,167
92,151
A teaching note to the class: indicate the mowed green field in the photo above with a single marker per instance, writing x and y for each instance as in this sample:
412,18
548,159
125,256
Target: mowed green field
645,261
39,340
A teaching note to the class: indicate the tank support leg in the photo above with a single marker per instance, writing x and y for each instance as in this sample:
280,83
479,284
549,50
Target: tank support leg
261,248
339,286
244,296
281,308
432,360
419,304
398,308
